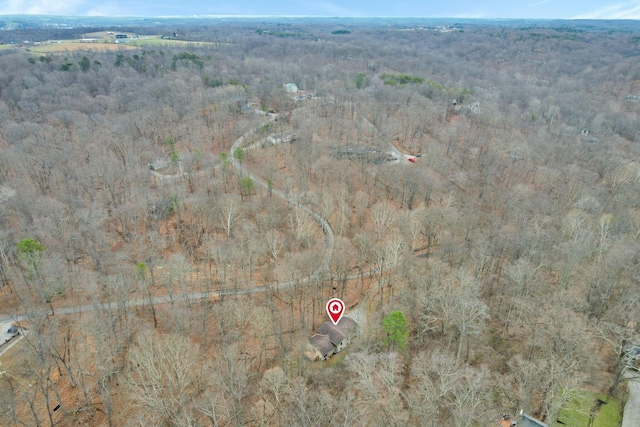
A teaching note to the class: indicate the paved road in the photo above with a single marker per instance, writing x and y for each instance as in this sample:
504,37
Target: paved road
164,299
320,273
15,340
631,416
326,227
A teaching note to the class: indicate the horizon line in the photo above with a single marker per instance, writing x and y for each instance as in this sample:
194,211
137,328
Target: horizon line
235,16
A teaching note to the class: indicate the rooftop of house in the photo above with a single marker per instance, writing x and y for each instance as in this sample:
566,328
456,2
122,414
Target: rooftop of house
322,344
332,331
330,337
346,327
529,421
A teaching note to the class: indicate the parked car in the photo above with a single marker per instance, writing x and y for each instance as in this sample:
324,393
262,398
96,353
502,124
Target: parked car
412,159
12,331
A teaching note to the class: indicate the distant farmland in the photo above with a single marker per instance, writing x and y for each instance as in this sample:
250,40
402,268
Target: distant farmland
103,42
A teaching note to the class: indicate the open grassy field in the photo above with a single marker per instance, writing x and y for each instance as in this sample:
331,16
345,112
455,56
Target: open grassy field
576,414
105,41
75,46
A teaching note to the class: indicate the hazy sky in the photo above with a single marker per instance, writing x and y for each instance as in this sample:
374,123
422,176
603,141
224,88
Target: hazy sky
565,9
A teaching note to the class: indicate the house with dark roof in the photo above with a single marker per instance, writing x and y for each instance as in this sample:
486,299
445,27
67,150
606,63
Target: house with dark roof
331,339
529,421
320,347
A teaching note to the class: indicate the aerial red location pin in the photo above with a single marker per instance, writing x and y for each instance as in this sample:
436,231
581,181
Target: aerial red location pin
335,309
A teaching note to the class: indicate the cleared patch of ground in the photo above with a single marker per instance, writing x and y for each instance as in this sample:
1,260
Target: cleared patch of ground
605,410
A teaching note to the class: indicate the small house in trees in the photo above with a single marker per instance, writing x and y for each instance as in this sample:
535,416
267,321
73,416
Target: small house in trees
277,138
331,339
159,163
341,334
291,87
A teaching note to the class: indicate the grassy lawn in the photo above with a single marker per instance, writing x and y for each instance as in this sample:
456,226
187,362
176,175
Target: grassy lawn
576,413
611,413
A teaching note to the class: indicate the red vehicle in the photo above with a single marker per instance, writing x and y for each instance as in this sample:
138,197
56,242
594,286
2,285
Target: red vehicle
412,159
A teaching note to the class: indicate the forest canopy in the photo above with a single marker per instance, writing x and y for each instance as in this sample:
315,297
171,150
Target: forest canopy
190,199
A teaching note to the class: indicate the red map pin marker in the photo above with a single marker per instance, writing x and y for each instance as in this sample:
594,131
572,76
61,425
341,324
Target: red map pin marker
335,309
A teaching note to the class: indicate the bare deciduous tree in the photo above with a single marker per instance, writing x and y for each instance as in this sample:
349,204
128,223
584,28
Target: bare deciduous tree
162,377
230,212
383,215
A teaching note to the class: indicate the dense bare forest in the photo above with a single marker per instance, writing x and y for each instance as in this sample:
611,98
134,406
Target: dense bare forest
174,218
